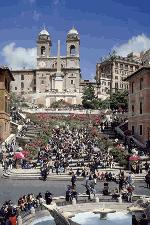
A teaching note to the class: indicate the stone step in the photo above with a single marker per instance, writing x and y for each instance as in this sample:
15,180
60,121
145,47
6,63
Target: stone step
62,174
34,130
52,176
30,135
37,177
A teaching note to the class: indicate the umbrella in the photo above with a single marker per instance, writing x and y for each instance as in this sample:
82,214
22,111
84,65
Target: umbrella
25,152
134,158
19,155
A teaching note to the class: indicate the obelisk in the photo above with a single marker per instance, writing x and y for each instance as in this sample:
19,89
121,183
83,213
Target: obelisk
59,74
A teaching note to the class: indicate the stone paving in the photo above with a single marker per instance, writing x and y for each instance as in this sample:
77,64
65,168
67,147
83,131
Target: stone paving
13,189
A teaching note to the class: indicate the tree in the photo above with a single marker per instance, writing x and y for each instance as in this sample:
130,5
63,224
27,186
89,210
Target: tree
119,100
60,104
16,101
89,101
105,104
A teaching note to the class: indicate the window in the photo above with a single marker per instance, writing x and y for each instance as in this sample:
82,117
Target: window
22,77
116,77
131,68
126,67
108,83
132,130
34,89
34,81
121,85
136,68
141,129
141,107
116,85
16,88
132,87
116,64
121,66
132,109
42,81
6,104
72,82
72,50
43,50
22,85
141,83
116,71
7,85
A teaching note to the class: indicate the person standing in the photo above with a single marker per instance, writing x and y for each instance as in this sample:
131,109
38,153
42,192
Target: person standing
146,166
134,220
73,179
147,179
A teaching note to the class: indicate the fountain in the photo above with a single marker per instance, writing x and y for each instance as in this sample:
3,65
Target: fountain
47,220
135,209
116,218
103,212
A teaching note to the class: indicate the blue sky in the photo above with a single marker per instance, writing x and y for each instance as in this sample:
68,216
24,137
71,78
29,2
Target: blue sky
102,24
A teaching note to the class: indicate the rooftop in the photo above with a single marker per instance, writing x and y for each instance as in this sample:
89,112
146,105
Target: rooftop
136,72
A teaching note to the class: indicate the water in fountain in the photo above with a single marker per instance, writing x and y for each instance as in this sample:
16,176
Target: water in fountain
88,218
47,220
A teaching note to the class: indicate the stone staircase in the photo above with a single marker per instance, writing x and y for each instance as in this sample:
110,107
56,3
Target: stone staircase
34,174
109,132
31,133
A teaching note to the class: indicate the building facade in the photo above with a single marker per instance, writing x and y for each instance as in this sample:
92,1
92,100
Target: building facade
55,77
146,58
139,104
110,73
5,79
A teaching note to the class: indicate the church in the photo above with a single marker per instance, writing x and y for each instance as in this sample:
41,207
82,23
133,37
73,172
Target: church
55,77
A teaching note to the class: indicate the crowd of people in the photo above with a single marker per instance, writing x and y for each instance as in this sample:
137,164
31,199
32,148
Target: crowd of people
9,212
67,145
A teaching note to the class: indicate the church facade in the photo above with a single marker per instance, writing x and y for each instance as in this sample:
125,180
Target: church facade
54,78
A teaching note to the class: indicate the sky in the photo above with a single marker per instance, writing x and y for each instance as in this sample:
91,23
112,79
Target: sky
103,25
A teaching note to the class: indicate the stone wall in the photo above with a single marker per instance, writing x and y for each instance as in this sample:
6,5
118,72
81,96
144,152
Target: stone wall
59,218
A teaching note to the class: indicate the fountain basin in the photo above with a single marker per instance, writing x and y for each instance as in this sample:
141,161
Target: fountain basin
117,218
103,212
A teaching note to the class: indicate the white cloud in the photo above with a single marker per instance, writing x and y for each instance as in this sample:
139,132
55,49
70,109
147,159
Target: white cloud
19,57
36,15
136,44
